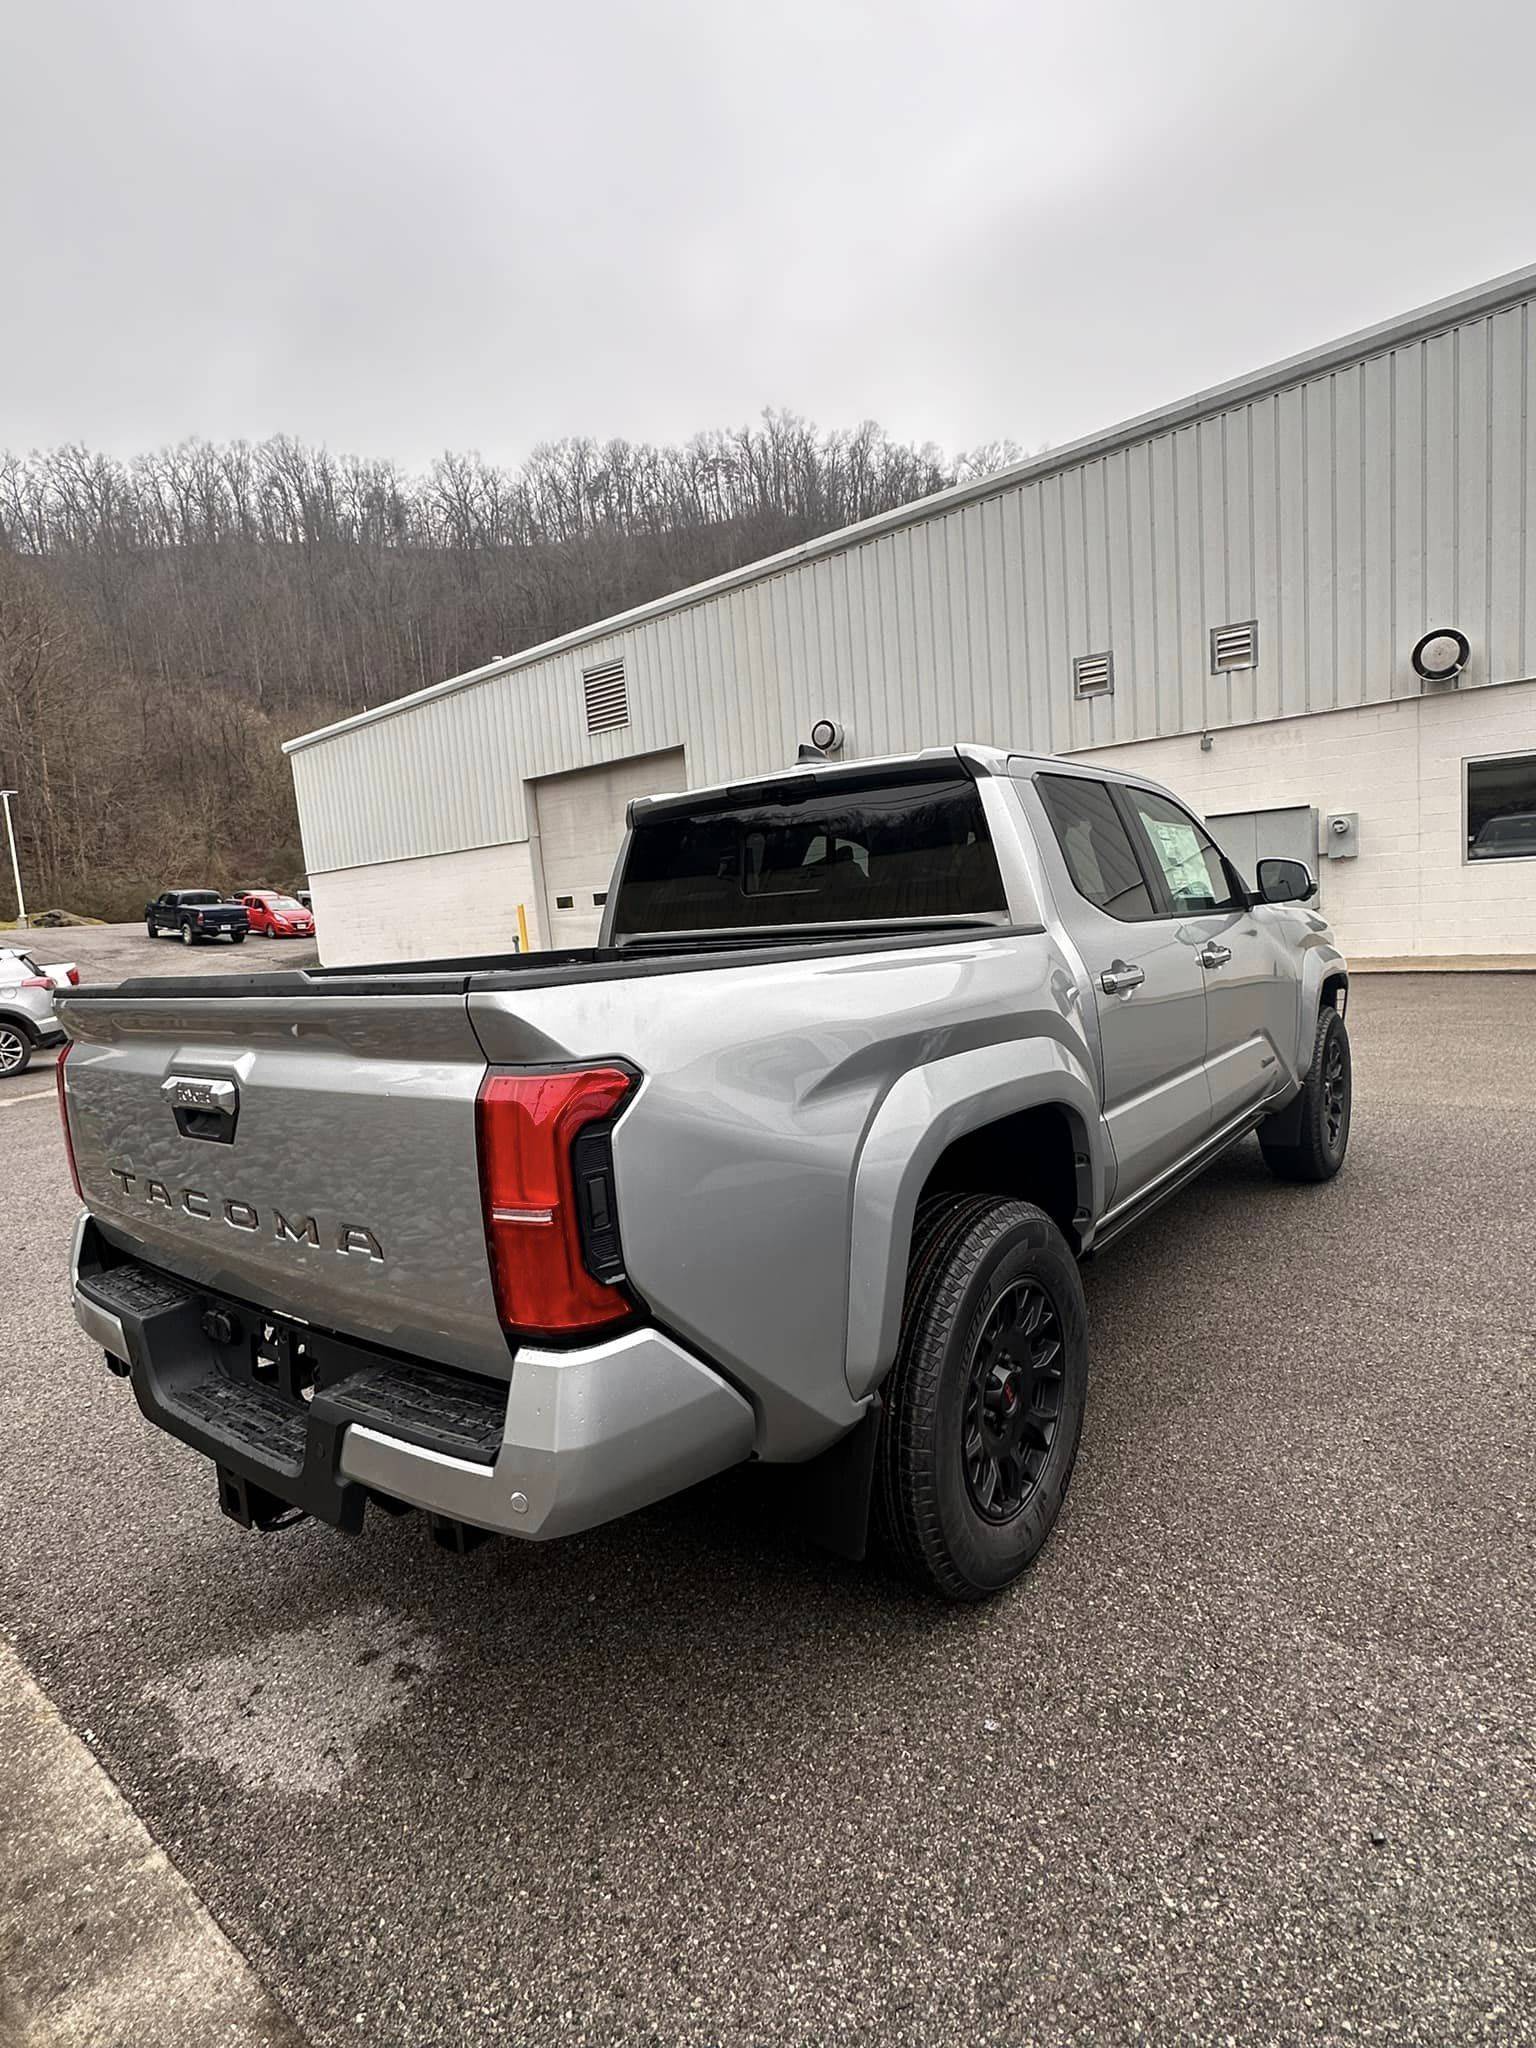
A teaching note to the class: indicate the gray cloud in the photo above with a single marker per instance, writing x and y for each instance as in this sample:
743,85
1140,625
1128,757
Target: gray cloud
396,228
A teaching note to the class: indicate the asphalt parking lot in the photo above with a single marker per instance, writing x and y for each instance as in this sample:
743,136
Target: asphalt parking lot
1247,1757
113,952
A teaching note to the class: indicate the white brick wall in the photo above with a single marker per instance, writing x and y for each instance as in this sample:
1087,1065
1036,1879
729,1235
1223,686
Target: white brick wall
1399,765
443,904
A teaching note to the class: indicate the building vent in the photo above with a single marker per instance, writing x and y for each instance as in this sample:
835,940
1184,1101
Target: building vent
1234,647
1093,675
607,696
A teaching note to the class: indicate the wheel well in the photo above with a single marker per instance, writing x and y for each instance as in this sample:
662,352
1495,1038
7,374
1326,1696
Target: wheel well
1335,993
1036,1154
22,1024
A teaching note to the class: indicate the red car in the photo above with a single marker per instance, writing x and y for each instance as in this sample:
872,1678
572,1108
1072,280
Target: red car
278,917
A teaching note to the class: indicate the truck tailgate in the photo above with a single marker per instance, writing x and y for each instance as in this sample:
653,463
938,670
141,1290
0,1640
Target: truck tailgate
325,1168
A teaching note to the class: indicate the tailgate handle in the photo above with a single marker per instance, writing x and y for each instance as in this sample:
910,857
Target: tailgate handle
203,1106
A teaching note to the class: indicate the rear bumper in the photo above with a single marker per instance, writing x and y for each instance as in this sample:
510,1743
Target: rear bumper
578,1437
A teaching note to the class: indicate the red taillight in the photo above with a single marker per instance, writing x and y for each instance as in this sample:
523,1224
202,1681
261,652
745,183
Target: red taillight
526,1125
69,1143
74,977
37,981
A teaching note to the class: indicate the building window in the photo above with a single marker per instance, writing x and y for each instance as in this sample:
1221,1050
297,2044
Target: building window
606,695
1093,675
1234,647
1501,808
599,898
565,903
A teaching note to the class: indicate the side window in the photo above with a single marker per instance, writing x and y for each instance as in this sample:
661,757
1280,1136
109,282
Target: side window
1193,870
1095,845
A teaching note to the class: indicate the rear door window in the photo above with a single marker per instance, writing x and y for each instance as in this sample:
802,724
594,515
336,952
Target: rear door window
1095,845
882,849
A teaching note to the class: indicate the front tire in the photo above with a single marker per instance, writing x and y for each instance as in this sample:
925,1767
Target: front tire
984,1406
15,1050
152,929
1308,1140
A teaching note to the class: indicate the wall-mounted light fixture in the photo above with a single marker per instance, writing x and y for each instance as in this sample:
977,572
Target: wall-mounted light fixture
1441,655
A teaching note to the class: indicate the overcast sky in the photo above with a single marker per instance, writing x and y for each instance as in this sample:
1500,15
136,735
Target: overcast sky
481,223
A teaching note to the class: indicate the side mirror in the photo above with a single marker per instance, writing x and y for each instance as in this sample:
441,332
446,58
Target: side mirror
1286,881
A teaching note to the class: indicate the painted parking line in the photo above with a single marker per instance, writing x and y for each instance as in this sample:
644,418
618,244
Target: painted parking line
32,1095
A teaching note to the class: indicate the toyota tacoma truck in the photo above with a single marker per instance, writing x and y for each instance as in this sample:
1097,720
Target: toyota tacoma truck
799,1164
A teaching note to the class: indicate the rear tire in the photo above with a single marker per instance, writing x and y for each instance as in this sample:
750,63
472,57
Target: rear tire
1316,1127
186,936
15,1050
237,938
984,1406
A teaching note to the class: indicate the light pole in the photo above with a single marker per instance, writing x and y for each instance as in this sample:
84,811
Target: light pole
10,833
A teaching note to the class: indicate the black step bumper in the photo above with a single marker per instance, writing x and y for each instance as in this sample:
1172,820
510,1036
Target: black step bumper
269,1399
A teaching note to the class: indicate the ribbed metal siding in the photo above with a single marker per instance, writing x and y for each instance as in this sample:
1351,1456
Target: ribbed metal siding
1344,513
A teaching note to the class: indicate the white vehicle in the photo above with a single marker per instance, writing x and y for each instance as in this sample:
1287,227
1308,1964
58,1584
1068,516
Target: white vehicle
27,1019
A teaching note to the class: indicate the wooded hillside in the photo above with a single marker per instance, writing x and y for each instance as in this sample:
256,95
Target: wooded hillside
166,622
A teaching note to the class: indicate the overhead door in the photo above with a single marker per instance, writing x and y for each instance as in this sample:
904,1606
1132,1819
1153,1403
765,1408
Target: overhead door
581,822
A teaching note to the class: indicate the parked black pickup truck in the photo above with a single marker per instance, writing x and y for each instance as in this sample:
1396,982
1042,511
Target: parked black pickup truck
196,914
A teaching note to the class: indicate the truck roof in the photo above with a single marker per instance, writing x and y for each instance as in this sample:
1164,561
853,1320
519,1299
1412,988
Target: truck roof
985,760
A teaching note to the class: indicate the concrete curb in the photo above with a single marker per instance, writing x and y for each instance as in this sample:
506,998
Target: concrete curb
103,1943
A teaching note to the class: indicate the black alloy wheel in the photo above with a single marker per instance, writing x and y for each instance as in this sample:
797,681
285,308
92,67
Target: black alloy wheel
1013,1404
1335,1090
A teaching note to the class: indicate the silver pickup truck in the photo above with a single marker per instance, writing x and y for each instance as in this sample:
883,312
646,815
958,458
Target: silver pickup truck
797,1165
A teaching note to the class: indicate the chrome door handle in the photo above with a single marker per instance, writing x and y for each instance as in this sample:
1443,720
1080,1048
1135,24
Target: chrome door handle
1212,955
1119,981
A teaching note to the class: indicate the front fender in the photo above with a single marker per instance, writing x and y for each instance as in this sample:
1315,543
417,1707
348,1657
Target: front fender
1320,961
919,1118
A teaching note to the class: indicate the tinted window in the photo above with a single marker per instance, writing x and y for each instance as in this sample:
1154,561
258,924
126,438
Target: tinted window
1501,808
1095,845
1193,871
200,896
818,853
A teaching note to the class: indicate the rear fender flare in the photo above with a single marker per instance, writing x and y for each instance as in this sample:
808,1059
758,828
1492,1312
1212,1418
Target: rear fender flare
919,1118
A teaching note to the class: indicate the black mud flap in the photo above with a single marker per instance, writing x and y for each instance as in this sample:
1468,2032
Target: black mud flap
827,1499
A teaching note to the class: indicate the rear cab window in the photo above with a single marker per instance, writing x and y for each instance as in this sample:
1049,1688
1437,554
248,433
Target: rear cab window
878,848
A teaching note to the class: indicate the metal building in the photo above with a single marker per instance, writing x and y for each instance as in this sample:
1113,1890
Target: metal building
1230,594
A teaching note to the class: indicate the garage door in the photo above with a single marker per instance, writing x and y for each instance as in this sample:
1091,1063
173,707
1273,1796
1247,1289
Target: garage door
581,821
